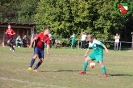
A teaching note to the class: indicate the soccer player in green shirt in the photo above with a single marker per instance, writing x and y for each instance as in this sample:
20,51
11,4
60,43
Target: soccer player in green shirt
97,54
73,41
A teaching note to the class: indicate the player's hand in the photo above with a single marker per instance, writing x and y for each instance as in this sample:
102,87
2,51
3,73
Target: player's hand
106,50
12,34
85,56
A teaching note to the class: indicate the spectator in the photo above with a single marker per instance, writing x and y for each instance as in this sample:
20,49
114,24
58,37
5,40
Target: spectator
83,40
18,42
57,43
50,36
73,41
116,44
25,41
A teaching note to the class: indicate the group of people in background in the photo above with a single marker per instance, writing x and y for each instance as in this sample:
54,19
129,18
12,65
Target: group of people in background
83,41
18,42
22,42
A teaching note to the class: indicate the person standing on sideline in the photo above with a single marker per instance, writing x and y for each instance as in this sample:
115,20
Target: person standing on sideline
40,40
10,33
83,40
50,37
73,37
116,44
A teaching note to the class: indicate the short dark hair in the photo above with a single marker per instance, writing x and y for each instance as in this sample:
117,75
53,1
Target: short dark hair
9,25
46,28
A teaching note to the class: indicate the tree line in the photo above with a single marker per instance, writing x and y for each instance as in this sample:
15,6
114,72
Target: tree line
65,17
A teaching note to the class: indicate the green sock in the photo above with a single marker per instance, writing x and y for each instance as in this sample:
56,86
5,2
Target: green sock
104,69
85,66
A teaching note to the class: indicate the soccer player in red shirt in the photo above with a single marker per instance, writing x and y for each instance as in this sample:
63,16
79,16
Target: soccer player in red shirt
39,40
10,33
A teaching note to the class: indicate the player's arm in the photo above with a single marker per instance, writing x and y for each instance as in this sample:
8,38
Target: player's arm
86,53
105,48
32,41
48,47
101,44
6,32
13,32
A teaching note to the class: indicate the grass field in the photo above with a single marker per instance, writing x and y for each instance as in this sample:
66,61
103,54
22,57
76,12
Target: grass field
60,70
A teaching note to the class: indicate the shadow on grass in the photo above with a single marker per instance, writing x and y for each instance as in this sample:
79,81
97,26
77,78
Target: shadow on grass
62,71
120,75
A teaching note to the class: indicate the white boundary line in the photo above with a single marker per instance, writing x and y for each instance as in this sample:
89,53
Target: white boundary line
28,82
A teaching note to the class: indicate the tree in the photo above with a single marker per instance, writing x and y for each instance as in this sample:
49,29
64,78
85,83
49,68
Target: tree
67,16
27,10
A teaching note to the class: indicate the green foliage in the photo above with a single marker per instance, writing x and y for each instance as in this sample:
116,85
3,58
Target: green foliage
27,11
65,17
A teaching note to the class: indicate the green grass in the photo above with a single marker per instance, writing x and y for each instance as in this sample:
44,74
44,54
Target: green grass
60,70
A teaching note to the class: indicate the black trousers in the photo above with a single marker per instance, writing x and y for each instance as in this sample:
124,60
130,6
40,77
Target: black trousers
50,43
83,44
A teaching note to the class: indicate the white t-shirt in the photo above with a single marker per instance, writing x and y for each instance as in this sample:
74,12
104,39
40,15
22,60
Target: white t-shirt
83,37
50,36
117,38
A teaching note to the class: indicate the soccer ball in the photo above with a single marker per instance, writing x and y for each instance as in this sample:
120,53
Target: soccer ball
92,65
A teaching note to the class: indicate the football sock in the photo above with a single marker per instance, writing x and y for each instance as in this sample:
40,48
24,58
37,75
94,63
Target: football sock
85,66
32,62
104,69
12,47
9,45
37,65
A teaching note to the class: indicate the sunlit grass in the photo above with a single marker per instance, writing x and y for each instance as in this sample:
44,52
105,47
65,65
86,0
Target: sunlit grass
60,70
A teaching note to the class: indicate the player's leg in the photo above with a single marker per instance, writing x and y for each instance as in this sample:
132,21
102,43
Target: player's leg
33,58
41,57
90,57
86,63
103,68
8,42
99,58
38,64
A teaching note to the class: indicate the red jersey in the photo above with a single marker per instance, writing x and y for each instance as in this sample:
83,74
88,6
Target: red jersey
41,40
10,33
